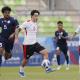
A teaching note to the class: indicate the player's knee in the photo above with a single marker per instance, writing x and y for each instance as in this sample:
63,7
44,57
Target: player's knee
24,61
58,52
45,52
66,55
7,56
1,51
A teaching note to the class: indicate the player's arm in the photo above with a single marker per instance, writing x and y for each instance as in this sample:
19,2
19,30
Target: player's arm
65,36
17,31
56,36
76,32
21,28
16,25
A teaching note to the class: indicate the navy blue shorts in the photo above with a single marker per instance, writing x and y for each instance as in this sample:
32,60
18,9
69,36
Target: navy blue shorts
63,48
6,44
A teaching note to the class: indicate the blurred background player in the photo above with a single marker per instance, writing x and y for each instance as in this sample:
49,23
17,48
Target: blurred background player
8,25
30,44
75,33
61,41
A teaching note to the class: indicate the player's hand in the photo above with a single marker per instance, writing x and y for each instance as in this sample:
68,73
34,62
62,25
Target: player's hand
70,37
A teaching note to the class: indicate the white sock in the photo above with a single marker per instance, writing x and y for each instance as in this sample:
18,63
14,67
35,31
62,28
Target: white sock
21,69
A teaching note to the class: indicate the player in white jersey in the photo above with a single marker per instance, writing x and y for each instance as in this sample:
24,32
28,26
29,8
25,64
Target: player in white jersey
30,45
78,32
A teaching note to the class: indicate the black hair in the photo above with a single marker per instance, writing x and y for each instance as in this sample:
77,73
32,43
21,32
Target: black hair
34,11
6,8
59,22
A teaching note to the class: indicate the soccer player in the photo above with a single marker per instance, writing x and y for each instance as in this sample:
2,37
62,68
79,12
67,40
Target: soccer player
61,37
77,31
8,25
30,45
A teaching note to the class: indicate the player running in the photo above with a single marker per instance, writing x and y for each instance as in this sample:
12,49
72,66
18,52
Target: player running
77,31
61,41
8,25
30,45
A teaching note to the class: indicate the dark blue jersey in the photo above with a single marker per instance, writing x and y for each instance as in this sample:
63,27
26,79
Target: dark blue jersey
60,37
7,27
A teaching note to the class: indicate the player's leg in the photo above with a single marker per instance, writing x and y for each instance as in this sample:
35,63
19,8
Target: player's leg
21,71
44,52
58,52
2,46
7,55
8,49
65,50
46,62
1,51
26,55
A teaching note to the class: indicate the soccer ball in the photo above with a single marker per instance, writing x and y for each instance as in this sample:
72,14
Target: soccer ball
45,63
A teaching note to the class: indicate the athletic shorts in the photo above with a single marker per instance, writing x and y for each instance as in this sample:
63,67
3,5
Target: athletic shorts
29,50
63,48
6,44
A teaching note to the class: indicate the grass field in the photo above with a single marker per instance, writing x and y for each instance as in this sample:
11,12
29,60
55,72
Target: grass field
37,73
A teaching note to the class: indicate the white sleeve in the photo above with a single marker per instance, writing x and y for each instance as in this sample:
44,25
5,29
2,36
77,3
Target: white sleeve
78,29
24,25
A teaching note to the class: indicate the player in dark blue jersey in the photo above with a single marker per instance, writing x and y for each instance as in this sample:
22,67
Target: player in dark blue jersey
8,25
61,40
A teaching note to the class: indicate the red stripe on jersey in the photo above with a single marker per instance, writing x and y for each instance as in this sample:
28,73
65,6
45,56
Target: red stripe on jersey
24,51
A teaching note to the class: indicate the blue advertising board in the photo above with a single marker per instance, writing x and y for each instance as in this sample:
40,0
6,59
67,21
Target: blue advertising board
36,59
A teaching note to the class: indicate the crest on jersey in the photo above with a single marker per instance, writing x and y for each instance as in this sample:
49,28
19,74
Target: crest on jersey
8,21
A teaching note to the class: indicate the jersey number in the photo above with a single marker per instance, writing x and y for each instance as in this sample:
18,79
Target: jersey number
5,27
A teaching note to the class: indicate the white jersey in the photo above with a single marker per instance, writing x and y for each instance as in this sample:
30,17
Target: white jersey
78,31
30,32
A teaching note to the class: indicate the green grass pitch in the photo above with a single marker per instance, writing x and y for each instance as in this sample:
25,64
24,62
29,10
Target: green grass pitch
37,73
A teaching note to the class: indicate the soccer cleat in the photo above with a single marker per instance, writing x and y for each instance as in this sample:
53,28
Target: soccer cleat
48,70
67,68
21,74
59,67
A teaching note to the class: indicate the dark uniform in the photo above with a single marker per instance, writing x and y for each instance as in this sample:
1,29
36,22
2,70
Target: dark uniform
7,27
61,42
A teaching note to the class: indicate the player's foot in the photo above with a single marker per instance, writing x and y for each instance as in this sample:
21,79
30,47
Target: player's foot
67,68
48,70
21,74
59,67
